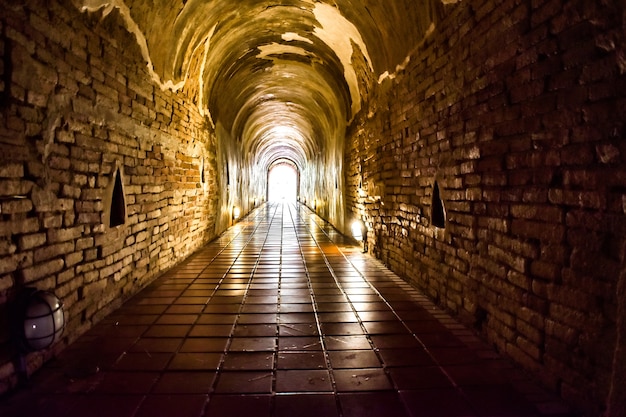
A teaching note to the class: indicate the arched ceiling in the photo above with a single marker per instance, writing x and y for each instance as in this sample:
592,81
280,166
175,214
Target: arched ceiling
284,78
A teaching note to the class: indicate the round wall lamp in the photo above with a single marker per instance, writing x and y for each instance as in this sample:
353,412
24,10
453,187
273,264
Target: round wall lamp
39,319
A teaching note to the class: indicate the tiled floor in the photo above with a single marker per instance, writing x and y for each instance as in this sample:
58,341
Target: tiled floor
280,316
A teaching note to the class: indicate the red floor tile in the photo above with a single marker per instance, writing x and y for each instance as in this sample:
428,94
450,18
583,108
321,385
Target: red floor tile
244,382
255,330
204,344
252,344
444,402
416,378
306,405
143,361
187,346
298,329
301,360
239,406
167,330
211,330
195,361
196,382
248,361
371,379
126,382
309,380
346,342
342,329
354,359
406,357
378,404
164,405
104,405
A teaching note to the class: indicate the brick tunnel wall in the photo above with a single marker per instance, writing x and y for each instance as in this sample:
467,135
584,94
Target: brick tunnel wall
77,104
516,110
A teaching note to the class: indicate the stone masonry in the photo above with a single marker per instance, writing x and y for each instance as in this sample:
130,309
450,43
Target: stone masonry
77,107
516,109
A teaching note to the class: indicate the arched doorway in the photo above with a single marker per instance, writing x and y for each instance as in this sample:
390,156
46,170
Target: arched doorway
283,181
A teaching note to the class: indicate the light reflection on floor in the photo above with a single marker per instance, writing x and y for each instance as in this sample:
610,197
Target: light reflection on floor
280,317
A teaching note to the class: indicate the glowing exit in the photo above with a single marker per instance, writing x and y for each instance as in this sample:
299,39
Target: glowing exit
282,183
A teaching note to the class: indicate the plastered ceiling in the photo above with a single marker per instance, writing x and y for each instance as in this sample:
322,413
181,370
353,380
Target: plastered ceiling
282,78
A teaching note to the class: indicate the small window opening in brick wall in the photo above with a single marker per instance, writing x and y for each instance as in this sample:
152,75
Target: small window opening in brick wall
202,180
118,202
438,214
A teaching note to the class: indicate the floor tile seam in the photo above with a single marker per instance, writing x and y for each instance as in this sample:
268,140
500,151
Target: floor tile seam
215,381
277,340
174,353
365,332
456,386
326,355
260,212
438,314
235,235
354,310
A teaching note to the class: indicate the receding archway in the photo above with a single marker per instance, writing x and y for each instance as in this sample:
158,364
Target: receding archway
283,181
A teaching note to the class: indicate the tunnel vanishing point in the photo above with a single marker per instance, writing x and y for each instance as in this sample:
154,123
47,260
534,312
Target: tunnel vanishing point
482,143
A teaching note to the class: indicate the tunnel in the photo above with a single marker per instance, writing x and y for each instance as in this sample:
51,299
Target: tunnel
477,144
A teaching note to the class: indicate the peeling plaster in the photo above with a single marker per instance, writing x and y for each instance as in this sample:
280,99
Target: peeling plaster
205,111
277,49
401,67
291,36
338,33
91,6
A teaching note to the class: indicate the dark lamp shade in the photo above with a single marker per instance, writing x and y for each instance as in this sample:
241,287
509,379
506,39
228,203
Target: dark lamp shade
43,320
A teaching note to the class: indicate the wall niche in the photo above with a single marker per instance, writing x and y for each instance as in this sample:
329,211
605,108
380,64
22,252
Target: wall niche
116,213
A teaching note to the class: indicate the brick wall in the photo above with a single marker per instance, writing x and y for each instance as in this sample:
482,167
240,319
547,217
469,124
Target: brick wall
516,109
77,104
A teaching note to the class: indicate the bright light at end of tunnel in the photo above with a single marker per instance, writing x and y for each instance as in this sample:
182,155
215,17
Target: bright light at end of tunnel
283,183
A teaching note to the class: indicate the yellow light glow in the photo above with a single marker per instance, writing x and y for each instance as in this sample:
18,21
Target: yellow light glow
357,230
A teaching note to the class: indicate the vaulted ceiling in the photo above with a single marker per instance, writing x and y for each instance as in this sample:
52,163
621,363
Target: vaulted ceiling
283,78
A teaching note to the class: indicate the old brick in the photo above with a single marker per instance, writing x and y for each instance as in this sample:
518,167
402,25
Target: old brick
32,74
16,227
70,192
16,206
11,170
10,188
63,277
6,282
53,221
43,199
52,251
529,348
42,270
545,213
9,263
545,270
7,247
538,230
63,235
30,241
73,258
